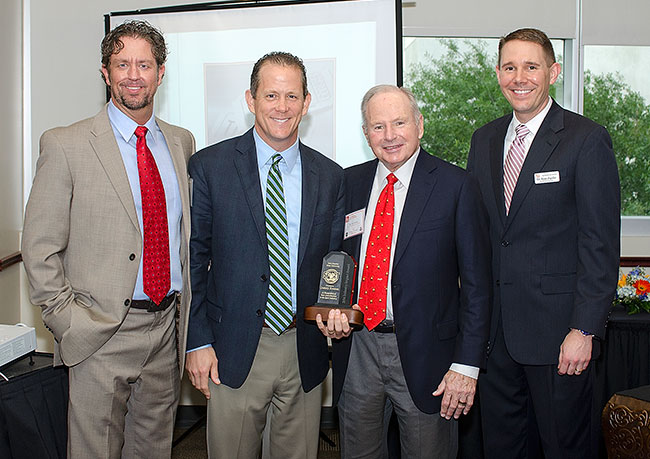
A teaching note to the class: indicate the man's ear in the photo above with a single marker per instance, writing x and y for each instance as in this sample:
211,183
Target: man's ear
250,101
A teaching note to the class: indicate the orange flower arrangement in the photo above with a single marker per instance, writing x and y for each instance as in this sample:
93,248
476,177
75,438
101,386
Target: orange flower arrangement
633,291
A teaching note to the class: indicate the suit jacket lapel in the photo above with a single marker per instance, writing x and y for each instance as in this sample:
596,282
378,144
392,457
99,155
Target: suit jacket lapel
310,189
180,166
496,166
419,192
543,145
247,169
105,146
359,189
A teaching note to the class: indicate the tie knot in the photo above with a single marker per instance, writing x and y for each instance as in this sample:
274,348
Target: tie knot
522,131
276,160
141,131
391,179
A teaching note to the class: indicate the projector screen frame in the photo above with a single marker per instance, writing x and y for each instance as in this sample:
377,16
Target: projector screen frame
204,137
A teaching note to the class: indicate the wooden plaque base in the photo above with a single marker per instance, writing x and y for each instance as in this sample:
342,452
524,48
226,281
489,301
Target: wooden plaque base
355,318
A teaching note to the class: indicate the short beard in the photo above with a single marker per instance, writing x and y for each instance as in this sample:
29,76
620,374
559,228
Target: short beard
135,105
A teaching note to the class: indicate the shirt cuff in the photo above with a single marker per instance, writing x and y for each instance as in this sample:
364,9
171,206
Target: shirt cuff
466,370
197,348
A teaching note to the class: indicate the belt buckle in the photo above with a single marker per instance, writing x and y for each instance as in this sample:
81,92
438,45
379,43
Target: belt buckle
164,304
153,307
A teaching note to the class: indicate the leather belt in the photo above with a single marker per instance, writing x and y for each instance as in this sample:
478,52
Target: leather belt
150,306
385,327
291,325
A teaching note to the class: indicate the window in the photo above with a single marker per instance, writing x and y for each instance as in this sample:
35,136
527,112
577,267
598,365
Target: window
617,95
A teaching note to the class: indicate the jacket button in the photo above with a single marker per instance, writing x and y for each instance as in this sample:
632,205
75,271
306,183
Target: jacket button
132,257
498,282
259,313
263,278
505,243
127,302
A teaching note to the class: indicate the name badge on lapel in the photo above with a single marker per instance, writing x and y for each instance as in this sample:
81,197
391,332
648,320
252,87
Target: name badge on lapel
354,223
547,177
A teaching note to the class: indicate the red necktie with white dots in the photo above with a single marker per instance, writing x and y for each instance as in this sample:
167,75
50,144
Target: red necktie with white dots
374,281
155,265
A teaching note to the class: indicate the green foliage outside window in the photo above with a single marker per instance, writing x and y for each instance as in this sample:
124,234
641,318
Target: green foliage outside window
459,93
625,114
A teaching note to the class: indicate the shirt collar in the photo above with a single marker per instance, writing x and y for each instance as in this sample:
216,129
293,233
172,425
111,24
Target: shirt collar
403,174
126,126
265,152
533,124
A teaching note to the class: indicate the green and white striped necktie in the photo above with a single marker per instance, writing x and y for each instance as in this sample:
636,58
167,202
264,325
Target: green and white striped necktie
279,313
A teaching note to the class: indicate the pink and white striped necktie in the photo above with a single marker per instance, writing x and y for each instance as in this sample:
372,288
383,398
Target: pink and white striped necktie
513,164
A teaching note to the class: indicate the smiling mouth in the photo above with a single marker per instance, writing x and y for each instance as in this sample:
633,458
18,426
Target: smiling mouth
390,148
522,92
280,120
132,87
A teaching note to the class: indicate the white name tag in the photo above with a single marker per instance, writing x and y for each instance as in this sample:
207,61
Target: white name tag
547,177
354,223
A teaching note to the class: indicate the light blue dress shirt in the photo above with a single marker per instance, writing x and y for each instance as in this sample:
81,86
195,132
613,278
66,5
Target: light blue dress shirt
291,169
124,129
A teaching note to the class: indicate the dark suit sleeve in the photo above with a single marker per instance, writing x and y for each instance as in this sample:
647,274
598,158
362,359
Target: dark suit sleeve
598,203
473,246
338,223
470,156
199,333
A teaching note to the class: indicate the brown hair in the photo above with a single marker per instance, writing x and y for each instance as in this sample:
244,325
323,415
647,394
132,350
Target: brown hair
278,58
112,42
532,35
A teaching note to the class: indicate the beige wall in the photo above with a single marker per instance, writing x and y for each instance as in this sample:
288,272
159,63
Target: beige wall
10,155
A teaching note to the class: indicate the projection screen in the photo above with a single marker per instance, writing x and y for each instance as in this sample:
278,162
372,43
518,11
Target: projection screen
348,46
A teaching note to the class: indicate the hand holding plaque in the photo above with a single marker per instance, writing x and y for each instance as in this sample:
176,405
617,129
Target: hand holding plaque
335,291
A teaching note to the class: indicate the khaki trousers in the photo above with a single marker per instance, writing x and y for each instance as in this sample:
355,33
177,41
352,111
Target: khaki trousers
236,417
123,398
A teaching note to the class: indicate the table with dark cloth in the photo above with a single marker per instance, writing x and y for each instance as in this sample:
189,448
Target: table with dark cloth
33,409
624,362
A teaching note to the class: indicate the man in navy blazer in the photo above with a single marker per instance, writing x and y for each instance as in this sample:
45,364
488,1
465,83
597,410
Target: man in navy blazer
242,366
555,256
423,358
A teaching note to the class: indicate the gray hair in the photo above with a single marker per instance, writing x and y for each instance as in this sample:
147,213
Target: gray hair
382,88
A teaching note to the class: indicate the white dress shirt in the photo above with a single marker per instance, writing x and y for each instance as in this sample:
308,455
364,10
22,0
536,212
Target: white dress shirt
532,125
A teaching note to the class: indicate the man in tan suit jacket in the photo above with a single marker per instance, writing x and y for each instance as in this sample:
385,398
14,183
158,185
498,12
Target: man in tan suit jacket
84,247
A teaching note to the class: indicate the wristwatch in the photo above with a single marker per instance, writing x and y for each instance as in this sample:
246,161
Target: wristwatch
584,333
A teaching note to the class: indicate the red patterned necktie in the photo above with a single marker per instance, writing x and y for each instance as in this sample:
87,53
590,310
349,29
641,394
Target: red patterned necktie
374,281
514,162
155,265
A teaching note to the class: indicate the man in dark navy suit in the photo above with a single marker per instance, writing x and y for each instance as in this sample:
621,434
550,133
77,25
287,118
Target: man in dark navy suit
550,186
250,272
418,229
